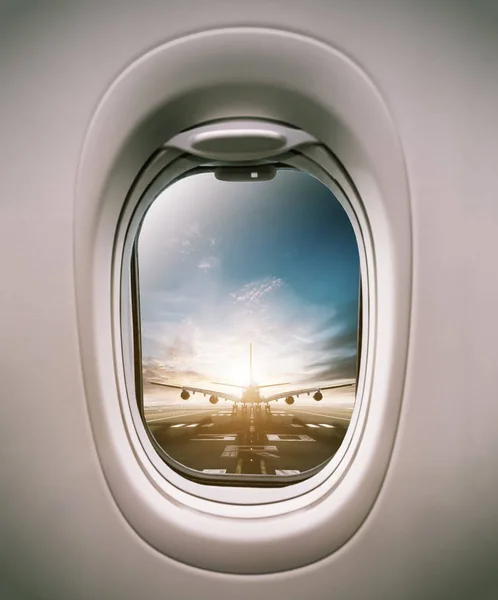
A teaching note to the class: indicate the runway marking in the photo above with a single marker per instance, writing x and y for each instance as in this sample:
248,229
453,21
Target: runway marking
296,425
178,416
229,453
208,425
239,466
311,425
287,471
214,471
288,437
326,425
268,454
214,437
319,414
192,425
263,467
232,451
179,425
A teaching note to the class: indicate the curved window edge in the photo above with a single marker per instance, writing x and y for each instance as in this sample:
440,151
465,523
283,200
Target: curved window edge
188,481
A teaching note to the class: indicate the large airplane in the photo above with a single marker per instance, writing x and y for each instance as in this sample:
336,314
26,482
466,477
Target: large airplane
251,394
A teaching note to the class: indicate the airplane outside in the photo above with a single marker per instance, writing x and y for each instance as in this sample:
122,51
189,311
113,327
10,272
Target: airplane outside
251,394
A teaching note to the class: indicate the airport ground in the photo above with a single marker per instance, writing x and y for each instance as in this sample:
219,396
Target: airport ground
273,440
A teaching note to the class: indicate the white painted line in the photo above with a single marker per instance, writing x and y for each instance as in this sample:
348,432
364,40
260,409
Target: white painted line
287,471
193,425
255,447
326,425
180,415
214,471
179,425
286,437
296,425
208,425
214,437
232,451
311,425
305,412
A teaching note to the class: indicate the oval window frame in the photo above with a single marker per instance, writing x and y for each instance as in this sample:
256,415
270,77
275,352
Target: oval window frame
291,78
147,190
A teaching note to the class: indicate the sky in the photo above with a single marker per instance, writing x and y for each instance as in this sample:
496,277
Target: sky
223,264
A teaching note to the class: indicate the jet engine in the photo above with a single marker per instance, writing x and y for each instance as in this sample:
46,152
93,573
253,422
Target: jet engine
213,399
184,395
318,396
289,400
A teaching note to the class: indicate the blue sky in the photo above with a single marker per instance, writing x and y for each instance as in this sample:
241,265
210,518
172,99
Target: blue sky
274,263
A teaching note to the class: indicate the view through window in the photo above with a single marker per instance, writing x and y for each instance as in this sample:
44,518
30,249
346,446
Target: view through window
249,295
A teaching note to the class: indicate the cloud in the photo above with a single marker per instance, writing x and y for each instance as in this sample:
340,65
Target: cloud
172,343
186,247
252,293
336,346
155,370
339,367
204,265
208,262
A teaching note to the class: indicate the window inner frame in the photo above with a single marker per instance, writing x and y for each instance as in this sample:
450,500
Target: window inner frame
204,484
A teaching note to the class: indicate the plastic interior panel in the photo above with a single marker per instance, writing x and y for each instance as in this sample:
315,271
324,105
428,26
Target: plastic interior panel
206,540
239,139
432,530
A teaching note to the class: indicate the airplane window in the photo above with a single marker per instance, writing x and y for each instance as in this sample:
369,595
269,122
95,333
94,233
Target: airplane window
248,318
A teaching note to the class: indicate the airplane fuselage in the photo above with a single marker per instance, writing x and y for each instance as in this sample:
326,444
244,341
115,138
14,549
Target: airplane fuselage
251,395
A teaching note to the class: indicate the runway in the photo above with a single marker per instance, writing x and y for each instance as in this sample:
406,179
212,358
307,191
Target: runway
226,439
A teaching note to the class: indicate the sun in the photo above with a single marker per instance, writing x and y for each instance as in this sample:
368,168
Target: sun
235,372
236,369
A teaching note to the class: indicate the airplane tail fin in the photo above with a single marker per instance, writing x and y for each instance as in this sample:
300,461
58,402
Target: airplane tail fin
250,363
253,383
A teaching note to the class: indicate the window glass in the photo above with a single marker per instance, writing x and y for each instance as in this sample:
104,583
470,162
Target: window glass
249,297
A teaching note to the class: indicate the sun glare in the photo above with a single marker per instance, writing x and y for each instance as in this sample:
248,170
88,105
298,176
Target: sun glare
266,368
235,372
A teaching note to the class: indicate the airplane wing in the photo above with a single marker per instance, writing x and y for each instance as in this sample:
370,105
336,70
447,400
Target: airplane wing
228,384
307,391
256,386
203,391
272,385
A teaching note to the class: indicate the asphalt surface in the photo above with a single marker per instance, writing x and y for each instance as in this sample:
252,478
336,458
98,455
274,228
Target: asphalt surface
226,439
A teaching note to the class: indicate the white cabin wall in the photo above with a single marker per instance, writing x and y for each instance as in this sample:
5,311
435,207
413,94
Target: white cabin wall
433,530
